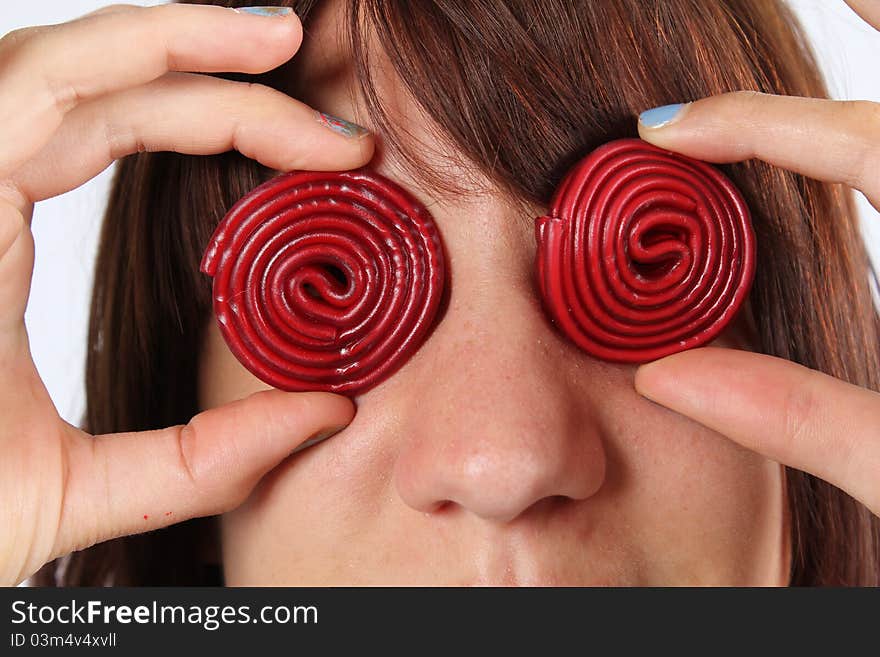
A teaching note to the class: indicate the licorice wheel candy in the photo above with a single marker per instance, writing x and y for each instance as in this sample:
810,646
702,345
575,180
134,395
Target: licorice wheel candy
324,280
644,253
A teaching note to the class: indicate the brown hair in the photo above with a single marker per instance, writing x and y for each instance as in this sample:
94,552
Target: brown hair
521,89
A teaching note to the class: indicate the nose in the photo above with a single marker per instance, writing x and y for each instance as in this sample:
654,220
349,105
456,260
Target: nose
492,422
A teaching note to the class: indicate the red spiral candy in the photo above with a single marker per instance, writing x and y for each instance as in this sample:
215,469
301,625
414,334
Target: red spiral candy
325,281
644,253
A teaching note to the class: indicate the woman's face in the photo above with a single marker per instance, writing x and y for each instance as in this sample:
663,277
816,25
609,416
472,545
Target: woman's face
500,453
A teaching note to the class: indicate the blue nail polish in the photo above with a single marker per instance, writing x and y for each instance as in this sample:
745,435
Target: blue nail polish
341,126
660,116
265,11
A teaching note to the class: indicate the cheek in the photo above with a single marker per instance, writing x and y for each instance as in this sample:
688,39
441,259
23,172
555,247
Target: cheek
222,378
707,509
328,514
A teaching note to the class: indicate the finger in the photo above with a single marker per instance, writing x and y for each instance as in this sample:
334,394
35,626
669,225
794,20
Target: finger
133,482
869,10
182,112
16,264
49,70
193,114
785,131
789,413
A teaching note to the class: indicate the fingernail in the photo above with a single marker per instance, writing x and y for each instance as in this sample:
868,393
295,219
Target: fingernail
341,126
318,437
658,117
265,11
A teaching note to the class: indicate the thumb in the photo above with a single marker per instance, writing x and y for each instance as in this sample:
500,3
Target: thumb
128,483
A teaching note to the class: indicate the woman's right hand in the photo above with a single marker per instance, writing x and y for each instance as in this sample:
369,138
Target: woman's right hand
74,97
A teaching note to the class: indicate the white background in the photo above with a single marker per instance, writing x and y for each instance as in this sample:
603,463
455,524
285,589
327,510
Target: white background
66,228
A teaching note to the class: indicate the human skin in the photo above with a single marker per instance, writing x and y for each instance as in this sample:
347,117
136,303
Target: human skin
552,469
500,453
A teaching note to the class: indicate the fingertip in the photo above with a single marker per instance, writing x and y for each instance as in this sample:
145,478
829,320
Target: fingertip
280,40
318,415
661,379
297,38
353,152
362,152
648,377
320,149
653,136
659,125
339,406
316,409
287,29
260,43
366,147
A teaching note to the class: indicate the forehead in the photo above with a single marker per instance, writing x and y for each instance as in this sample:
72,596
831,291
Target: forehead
325,77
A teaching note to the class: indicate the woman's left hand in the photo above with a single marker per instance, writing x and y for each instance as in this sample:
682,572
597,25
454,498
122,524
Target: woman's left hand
792,414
